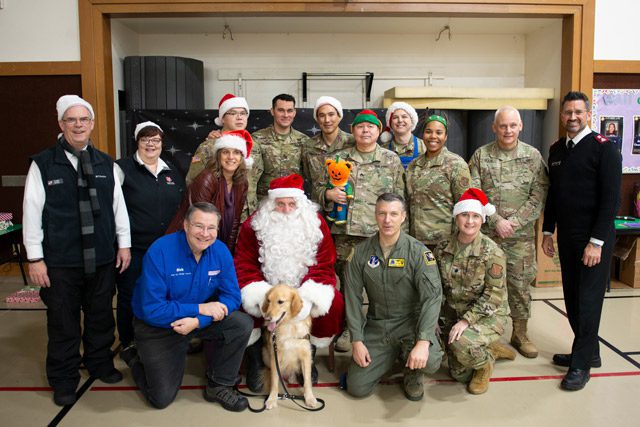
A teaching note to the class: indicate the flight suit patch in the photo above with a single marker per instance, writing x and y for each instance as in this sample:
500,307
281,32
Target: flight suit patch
495,271
429,259
396,262
374,261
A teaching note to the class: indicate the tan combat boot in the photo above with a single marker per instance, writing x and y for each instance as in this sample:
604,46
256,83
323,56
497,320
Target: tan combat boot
501,351
520,340
480,382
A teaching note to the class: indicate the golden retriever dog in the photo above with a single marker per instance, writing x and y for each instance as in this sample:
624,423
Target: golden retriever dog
281,306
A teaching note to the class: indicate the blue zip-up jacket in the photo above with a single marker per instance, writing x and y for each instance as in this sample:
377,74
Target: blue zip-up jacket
172,283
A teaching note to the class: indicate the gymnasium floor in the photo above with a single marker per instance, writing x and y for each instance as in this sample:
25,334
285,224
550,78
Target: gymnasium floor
524,392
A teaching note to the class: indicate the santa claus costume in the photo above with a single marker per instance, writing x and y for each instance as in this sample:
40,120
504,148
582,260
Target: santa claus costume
293,248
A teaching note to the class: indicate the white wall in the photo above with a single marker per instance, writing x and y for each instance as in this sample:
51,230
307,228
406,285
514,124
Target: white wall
273,63
543,64
39,30
616,30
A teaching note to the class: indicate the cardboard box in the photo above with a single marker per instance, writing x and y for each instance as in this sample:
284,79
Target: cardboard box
549,274
630,267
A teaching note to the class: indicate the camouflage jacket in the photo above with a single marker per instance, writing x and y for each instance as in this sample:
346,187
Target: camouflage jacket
515,182
433,187
277,155
199,161
372,174
314,152
473,280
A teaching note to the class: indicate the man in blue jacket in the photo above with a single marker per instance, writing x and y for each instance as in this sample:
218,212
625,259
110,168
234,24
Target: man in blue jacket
188,288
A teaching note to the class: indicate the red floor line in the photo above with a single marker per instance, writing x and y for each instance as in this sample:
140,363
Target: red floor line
335,384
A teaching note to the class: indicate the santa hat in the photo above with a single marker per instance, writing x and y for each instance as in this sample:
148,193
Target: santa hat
386,136
67,101
143,125
286,186
228,102
239,140
474,200
327,100
368,116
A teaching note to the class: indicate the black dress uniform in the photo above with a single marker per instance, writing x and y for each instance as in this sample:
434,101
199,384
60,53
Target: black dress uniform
583,200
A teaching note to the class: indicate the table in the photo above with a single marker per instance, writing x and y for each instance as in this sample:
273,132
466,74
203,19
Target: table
12,236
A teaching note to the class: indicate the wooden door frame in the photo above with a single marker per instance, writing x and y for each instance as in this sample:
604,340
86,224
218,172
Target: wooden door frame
578,22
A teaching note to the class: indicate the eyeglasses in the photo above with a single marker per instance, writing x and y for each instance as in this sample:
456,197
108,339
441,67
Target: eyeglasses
73,120
236,113
202,228
154,141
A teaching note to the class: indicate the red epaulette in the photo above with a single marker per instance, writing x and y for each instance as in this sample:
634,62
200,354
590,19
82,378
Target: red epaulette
601,139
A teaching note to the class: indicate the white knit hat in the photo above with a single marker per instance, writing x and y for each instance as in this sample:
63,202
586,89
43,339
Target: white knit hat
228,102
327,100
474,200
67,101
386,136
239,140
143,125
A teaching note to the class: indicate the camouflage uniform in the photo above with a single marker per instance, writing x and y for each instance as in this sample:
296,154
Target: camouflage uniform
199,161
474,289
372,174
405,150
280,155
516,183
314,152
404,304
433,187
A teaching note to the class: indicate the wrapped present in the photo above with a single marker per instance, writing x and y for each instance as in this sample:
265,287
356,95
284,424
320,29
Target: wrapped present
24,296
5,220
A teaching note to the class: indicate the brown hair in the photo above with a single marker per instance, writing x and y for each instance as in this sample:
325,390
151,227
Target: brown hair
214,166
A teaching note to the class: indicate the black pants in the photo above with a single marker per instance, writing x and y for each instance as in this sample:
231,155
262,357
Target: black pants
163,353
583,289
69,293
126,282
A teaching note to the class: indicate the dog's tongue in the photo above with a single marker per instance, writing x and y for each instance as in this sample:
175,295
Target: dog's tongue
271,326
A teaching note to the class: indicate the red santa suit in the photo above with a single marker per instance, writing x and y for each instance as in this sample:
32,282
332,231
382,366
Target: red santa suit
298,251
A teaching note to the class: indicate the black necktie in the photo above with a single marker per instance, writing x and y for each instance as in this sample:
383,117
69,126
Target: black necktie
570,144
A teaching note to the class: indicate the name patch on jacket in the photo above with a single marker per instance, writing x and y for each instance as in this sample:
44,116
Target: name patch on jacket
180,272
101,176
55,182
214,272
396,262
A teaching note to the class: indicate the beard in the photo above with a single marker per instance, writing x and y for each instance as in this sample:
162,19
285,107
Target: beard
288,242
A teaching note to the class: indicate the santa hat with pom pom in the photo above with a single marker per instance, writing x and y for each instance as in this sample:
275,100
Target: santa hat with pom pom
474,200
387,135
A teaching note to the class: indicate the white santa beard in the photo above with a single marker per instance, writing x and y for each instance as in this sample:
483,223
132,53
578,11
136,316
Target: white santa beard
288,242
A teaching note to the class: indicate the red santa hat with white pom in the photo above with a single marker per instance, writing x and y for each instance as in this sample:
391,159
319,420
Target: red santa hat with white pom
474,200
287,186
238,139
387,135
228,102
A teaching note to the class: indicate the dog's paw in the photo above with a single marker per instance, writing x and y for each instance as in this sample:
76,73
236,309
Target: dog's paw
272,402
310,401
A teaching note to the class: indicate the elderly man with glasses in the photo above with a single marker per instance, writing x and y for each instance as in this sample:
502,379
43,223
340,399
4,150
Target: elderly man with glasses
188,289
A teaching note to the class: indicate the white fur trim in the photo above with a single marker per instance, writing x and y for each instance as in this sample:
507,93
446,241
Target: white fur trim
327,100
276,193
67,101
231,141
255,336
253,296
235,102
217,121
321,342
143,125
474,205
402,106
386,136
320,295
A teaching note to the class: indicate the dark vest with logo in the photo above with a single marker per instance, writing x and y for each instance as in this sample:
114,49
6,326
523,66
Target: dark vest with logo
62,242
151,202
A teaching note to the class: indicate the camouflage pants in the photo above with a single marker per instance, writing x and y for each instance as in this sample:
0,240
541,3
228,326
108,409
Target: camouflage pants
344,247
471,351
521,271
385,352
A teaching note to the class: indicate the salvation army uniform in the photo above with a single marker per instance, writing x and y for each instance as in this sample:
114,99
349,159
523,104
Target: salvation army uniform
583,200
404,294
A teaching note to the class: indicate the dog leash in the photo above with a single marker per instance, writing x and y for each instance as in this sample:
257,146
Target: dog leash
281,396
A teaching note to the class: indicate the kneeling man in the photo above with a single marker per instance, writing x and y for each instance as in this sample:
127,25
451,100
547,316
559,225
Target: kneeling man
287,241
402,282
188,288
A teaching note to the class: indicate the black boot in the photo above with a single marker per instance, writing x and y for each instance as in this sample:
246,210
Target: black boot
255,365
314,370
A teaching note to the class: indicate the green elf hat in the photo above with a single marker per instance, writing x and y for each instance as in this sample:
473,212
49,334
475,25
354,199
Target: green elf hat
369,116
435,118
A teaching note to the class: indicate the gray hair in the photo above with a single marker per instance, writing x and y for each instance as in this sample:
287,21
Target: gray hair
205,207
